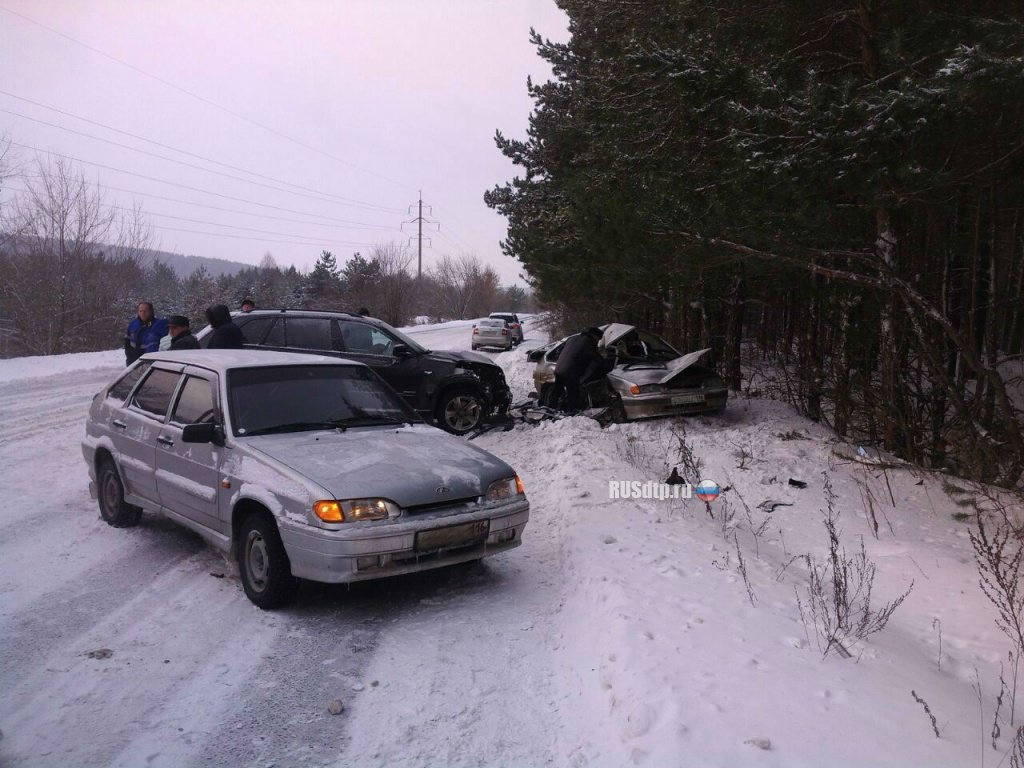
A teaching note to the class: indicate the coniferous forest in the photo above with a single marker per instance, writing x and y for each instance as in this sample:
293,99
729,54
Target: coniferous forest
827,193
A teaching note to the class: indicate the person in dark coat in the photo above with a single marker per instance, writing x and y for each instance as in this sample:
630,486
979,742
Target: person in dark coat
579,362
144,332
226,335
180,333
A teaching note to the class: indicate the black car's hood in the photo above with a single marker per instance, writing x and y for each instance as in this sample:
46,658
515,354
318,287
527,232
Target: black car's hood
457,356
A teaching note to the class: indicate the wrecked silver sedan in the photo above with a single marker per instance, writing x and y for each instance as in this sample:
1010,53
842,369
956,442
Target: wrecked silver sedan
300,466
649,378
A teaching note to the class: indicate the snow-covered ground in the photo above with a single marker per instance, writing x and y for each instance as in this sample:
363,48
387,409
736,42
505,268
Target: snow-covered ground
622,632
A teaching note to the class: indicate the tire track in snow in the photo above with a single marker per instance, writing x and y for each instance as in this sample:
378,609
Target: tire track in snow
452,671
174,656
30,407
56,618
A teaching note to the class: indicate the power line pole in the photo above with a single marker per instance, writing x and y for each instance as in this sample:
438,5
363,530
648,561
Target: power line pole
419,222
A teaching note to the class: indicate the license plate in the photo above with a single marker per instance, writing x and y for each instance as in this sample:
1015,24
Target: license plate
687,399
452,536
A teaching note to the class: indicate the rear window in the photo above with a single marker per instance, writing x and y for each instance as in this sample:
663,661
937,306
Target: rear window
154,394
124,386
256,329
492,323
309,333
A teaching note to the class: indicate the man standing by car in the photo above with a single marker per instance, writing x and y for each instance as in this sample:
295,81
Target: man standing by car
226,335
180,333
144,333
580,361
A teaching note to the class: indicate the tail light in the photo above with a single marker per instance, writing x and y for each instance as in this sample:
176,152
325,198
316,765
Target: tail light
515,325
504,332
476,331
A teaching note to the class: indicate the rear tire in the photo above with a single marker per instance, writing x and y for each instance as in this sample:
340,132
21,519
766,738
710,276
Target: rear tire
460,410
114,510
263,563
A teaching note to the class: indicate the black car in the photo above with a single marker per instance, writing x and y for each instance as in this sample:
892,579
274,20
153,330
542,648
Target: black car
457,390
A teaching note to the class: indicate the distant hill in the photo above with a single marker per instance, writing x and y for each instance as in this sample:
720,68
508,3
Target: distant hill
184,266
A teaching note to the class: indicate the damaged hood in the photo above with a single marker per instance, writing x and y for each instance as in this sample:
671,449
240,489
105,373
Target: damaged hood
674,367
655,372
456,356
614,332
410,465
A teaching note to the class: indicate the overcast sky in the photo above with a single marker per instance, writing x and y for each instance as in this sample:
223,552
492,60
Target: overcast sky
344,108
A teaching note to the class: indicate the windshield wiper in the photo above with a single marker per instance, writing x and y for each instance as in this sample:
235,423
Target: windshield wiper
300,426
370,421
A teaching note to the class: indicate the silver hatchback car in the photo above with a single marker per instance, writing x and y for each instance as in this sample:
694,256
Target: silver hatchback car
492,332
300,466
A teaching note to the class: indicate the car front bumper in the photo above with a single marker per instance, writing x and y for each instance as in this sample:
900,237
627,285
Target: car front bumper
373,551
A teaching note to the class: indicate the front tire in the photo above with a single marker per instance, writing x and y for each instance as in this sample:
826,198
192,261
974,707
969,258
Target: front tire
114,510
263,563
460,410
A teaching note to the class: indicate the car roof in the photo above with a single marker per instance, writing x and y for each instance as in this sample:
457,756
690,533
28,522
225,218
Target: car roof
497,314
222,360
305,313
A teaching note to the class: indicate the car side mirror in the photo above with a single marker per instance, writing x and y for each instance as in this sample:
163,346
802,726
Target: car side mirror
207,432
401,350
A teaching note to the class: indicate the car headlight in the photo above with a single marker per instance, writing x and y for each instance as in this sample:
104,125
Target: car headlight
502,490
354,510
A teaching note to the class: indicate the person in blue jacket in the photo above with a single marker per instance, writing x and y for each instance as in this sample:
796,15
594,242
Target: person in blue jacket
144,333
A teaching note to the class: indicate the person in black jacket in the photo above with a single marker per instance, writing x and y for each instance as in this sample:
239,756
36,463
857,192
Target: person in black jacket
180,333
226,335
579,361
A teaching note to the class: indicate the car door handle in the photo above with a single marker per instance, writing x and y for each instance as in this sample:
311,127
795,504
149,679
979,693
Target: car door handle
165,440
119,424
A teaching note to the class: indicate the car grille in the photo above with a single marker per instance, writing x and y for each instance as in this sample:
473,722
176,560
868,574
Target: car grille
419,509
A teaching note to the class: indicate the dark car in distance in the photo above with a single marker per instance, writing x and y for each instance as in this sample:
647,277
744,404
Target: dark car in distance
456,390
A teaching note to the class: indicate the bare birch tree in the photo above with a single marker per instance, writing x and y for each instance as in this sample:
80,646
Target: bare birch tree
68,262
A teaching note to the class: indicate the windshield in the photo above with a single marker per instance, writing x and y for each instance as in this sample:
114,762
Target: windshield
297,398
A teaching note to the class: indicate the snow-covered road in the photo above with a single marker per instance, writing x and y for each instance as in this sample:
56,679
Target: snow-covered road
620,633
137,647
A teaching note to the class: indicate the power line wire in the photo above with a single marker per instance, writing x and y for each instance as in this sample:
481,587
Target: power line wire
207,206
356,204
158,180
204,100
331,244
173,148
217,224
